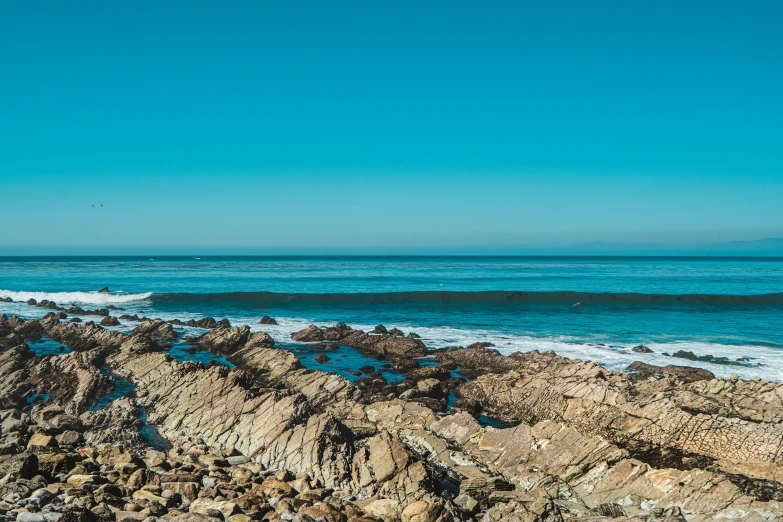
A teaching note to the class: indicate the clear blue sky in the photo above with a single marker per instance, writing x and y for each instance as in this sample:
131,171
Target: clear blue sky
459,124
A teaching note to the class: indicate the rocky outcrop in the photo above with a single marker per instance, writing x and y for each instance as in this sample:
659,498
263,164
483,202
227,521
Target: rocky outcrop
278,429
14,357
110,321
119,480
272,440
686,373
384,345
206,322
227,340
659,412
82,336
156,329
73,380
267,320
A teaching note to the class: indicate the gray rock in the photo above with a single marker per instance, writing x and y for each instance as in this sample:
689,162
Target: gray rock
26,516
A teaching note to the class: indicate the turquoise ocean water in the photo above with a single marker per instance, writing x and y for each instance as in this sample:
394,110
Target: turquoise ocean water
584,307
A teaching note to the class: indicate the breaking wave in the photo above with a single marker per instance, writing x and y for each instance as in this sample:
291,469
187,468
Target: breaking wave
96,298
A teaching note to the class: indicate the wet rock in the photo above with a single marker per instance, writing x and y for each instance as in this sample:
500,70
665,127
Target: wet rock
381,345
156,329
686,373
110,321
641,349
705,358
595,401
82,337
104,290
267,320
322,358
227,340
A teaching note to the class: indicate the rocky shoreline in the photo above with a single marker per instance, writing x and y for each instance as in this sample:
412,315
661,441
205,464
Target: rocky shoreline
272,440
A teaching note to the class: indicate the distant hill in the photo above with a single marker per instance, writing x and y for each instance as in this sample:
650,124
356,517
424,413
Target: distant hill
760,247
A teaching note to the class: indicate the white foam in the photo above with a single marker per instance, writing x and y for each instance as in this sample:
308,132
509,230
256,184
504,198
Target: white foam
766,362
76,297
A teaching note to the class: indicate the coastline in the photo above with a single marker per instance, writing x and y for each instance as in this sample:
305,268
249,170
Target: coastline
285,425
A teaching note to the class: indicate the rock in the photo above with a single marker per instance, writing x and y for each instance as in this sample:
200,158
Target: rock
421,511
56,463
386,509
68,422
322,358
271,440
76,481
26,516
24,465
706,358
104,290
641,349
110,321
467,504
687,373
205,506
193,517
156,329
40,439
383,345
267,320
188,490
225,340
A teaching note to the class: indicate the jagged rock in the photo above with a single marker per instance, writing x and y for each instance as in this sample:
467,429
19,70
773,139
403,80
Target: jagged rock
267,320
23,465
30,329
110,321
74,379
82,337
156,329
272,440
598,402
227,340
14,357
641,349
382,345
207,323
686,373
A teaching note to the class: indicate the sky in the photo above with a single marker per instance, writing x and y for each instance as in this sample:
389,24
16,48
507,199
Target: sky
405,126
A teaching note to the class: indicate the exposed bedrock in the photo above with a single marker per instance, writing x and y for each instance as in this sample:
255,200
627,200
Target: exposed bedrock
225,340
383,345
156,329
735,422
82,336
73,379
583,448
279,429
14,357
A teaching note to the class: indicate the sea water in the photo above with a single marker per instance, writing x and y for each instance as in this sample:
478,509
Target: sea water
591,308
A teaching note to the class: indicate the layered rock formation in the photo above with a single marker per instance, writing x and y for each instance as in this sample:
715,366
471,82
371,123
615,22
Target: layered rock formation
382,345
271,440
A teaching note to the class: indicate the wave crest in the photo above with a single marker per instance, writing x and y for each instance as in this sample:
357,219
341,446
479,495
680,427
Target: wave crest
75,297
258,299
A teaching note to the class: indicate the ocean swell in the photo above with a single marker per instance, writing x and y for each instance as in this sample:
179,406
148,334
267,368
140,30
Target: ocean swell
261,299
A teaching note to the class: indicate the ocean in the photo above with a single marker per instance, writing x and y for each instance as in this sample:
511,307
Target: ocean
590,308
